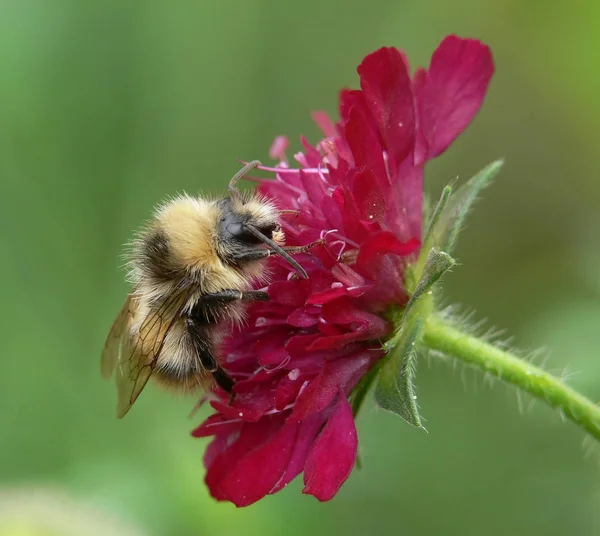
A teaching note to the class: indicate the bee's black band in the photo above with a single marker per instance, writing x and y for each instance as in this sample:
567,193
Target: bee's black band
156,258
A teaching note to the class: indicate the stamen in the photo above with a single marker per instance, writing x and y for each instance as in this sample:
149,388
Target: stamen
291,171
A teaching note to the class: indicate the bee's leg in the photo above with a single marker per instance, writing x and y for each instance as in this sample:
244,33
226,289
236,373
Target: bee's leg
262,253
255,295
224,381
229,295
253,255
202,345
286,211
209,308
305,248
199,332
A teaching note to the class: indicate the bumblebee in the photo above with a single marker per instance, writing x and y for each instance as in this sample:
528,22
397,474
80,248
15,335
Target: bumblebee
192,268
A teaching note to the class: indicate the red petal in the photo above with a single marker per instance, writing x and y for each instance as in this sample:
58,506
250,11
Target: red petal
235,446
330,461
452,92
305,438
337,341
257,473
352,227
348,99
278,148
387,87
297,344
274,357
311,155
302,318
246,413
288,389
345,159
369,196
346,323
344,312
313,189
383,243
292,293
421,145
330,207
335,376
324,123
361,134
349,277
327,295
404,209
215,424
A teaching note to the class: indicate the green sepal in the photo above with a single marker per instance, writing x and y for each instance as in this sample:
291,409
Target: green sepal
451,211
437,263
439,209
395,388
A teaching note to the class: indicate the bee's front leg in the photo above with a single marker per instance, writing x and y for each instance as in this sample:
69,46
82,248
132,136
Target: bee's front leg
209,308
230,295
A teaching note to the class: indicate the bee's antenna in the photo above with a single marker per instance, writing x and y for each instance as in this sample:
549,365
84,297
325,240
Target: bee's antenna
233,191
278,249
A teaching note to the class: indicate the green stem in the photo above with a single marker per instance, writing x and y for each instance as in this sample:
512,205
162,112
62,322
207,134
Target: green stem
441,336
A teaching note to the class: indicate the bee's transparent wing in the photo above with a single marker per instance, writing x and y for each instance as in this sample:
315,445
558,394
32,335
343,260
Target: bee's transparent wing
136,355
114,340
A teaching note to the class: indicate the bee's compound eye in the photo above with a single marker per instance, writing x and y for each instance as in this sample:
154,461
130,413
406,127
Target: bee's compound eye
235,229
240,232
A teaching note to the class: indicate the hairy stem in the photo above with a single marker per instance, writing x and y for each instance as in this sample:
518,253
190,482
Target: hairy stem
440,335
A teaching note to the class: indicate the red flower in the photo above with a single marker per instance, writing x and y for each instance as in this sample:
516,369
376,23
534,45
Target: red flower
304,351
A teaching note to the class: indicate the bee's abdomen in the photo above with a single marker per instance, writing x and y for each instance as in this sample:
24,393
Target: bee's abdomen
181,365
194,362
179,377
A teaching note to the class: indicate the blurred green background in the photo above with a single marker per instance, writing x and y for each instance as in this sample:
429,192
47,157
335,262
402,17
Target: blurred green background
108,107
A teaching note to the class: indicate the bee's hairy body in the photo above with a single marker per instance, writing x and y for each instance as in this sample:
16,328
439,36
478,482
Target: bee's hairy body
188,246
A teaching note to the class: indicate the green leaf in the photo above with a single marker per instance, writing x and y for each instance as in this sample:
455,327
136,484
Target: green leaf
451,211
395,389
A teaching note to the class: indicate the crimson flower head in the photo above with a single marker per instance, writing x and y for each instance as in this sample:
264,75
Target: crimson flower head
358,194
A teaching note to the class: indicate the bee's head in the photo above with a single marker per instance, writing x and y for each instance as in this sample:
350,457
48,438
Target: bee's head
239,226
247,227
